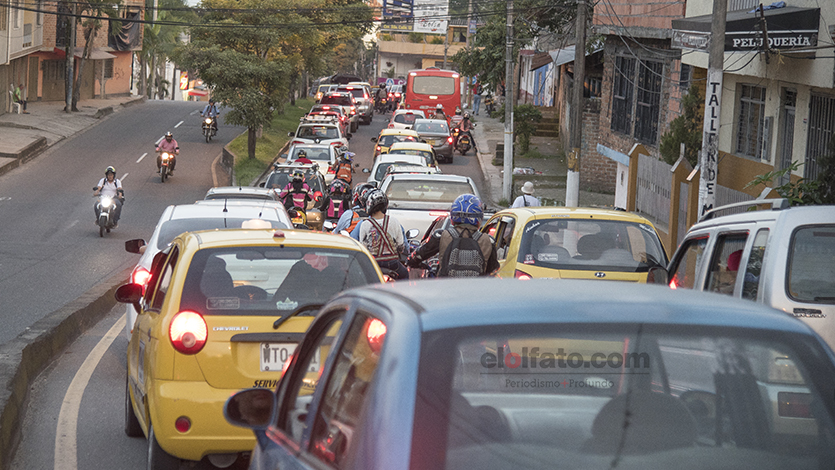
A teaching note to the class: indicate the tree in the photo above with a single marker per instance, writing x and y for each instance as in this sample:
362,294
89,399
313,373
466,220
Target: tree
159,43
686,128
524,117
97,9
799,193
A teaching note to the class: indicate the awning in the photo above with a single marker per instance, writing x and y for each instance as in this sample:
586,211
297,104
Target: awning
194,92
540,60
789,28
95,54
562,56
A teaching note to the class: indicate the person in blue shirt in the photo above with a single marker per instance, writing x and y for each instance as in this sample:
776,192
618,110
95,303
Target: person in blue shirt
211,111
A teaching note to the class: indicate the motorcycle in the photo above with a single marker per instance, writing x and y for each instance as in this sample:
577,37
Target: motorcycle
489,104
209,130
165,161
463,141
107,213
299,218
381,107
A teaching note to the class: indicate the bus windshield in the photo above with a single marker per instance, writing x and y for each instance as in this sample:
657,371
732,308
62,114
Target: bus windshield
427,85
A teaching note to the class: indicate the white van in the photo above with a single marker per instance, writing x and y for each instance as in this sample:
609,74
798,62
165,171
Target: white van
783,257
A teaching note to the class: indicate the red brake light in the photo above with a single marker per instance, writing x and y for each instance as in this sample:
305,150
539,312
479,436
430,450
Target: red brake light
188,332
182,424
449,139
297,142
378,148
317,195
140,276
326,108
793,405
391,125
397,95
331,170
376,334
522,275
439,213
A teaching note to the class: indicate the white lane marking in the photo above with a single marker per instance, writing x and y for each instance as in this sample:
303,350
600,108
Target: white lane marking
73,224
194,112
178,124
124,176
65,454
5,198
143,156
159,140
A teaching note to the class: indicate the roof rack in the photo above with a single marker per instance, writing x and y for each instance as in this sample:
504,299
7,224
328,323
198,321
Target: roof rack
776,205
319,118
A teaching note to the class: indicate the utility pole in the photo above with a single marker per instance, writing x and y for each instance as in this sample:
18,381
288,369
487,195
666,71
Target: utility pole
713,99
575,141
507,180
470,80
71,57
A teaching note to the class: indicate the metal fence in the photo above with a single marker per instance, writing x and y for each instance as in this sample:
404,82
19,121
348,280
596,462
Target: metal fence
725,195
734,5
654,182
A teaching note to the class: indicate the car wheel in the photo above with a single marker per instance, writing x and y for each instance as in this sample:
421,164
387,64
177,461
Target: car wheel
132,427
159,459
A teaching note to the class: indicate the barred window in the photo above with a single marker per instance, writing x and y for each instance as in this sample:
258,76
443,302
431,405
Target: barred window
821,124
53,70
649,99
749,132
623,89
108,68
684,77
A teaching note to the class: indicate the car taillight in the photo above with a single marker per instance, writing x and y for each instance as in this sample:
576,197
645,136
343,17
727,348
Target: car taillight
522,275
391,125
188,332
297,142
340,144
449,139
331,169
140,276
439,213
397,95
182,424
353,110
794,405
379,148
326,108
376,334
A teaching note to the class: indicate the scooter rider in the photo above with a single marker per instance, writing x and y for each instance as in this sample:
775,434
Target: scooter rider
297,193
211,111
110,186
466,127
351,218
336,203
466,215
439,112
455,120
170,145
383,235
380,95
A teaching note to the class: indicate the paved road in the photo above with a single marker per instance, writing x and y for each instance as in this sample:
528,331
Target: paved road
50,251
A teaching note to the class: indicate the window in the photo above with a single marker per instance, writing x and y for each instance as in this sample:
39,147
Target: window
724,265
165,280
108,68
811,273
16,14
647,103
348,385
39,18
821,124
750,126
503,244
684,77
753,269
622,94
302,385
686,268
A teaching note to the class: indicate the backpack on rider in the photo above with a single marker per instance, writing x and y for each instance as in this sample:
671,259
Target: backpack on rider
463,256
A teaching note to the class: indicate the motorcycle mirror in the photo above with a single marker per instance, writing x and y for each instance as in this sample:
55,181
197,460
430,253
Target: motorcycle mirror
134,245
373,139
366,170
95,188
412,233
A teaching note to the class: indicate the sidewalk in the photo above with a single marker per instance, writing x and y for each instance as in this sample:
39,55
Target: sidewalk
25,136
549,186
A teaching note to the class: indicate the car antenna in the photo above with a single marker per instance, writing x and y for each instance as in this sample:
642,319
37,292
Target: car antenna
225,200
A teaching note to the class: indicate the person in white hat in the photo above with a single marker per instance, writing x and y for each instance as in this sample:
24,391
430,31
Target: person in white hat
526,199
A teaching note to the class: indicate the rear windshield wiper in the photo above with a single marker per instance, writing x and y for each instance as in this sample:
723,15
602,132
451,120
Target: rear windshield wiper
298,311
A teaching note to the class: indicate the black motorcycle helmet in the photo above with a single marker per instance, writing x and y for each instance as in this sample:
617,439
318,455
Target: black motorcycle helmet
110,169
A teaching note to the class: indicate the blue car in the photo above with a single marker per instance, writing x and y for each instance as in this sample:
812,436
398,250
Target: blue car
544,374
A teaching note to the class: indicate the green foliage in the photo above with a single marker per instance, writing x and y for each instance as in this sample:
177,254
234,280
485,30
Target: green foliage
686,128
386,37
436,40
826,174
799,193
389,73
416,37
524,117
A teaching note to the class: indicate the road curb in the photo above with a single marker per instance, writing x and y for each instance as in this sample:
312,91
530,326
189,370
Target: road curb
38,146
23,358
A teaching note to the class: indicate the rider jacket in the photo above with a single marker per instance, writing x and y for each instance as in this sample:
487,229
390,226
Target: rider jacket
298,191
166,146
437,244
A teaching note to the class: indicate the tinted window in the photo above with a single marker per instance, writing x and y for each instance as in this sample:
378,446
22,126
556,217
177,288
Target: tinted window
280,180
541,397
811,271
431,127
405,118
754,266
724,265
171,228
318,132
161,288
357,92
685,270
271,280
387,140
340,100
591,245
434,85
427,156
427,190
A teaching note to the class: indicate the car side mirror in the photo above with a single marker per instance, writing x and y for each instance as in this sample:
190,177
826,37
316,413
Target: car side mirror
252,408
412,233
283,155
366,170
262,184
657,275
135,245
373,139
290,134
129,293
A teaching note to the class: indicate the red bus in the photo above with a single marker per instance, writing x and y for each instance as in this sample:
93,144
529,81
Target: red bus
427,87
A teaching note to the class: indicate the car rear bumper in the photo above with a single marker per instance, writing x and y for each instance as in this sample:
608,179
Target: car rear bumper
202,404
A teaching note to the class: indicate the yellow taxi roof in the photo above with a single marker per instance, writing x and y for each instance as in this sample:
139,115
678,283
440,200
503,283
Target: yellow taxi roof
252,237
413,146
575,213
388,131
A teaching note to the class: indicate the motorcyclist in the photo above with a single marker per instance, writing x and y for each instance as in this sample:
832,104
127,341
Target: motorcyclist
380,95
344,168
466,214
336,203
439,112
110,186
383,235
456,119
351,218
297,193
466,127
211,111
301,157
170,145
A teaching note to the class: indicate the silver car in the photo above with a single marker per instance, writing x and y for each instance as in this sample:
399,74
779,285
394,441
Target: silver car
435,132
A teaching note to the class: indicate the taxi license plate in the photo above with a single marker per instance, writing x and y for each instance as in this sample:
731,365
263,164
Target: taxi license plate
430,141
274,355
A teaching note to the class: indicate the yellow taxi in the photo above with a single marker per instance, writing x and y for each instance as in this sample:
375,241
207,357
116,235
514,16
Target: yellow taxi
574,243
224,310
390,136
421,149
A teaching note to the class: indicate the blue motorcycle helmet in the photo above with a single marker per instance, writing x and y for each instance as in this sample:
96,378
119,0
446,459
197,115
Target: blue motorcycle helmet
466,209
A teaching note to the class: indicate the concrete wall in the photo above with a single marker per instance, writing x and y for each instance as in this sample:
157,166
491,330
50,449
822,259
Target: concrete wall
631,14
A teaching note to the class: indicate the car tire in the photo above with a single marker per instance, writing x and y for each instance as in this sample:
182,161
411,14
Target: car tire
132,427
159,459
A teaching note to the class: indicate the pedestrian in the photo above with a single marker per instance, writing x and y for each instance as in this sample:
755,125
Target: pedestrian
478,89
526,199
20,97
